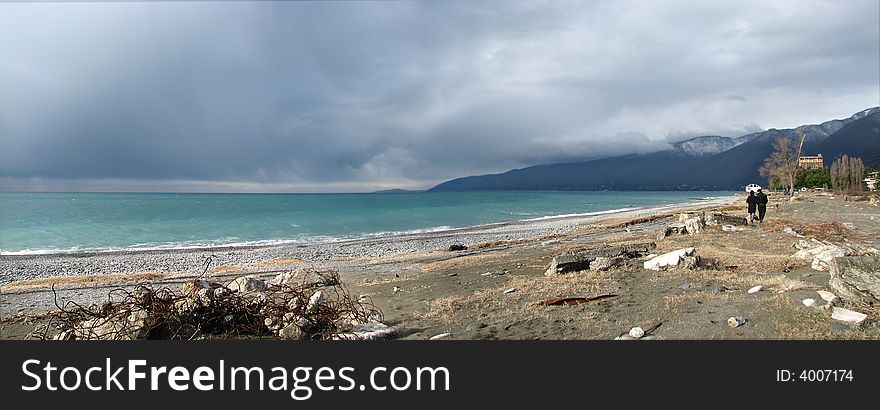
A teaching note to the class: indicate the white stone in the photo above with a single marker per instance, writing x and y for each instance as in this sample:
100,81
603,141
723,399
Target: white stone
283,278
318,298
846,315
736,321
668,260
368,331
511,290
755,289
248,283
396,289
636,332
809,302
791,232
827,296
440,336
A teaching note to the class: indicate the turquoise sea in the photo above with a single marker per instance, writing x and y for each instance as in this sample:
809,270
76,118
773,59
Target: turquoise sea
33,223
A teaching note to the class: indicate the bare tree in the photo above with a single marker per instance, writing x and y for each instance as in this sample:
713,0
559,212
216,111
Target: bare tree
782,164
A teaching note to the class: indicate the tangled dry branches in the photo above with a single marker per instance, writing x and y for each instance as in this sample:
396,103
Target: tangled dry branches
294,305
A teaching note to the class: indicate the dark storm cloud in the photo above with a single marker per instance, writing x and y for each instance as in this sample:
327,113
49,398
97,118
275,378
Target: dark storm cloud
359,96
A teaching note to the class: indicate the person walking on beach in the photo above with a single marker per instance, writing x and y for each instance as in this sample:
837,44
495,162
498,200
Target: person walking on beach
762,205
752,200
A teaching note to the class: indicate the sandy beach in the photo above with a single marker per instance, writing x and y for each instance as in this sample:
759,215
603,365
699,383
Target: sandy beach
490,290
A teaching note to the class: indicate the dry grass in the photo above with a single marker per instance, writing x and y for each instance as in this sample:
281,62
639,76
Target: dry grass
794,322
750,250
521,305
833,231
461,262
86,280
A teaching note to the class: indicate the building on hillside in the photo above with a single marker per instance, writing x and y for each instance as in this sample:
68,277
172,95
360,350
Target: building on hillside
871,181
811,162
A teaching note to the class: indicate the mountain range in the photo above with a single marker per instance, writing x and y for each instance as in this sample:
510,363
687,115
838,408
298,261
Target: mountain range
701,163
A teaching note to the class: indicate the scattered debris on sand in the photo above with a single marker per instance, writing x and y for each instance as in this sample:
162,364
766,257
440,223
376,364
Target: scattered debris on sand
821,253
577,300
856,278
597,258
684,257
736,321
316,306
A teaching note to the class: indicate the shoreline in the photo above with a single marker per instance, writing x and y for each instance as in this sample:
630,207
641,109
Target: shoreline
377,236
192,261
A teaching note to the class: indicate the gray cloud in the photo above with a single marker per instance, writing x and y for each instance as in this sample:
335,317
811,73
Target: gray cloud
360,96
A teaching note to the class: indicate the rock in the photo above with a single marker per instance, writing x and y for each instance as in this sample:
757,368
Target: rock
690,262
840,328
809,302
729,228
368,331
755,289
440,336
691,224
473,327
695,225
396,289
668,260
719,290
628,337
457,247
636,332
822,253
111,328
686,286
317,300
511,290
672,229
723,219
283,278
856,278
550,242
827,296
567,263
736,321
295,304
294,330
204,297
581,259
603,263
191,287
271,323
248,283
220,293
846,315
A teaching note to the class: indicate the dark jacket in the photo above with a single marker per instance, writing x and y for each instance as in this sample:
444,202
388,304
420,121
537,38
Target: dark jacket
753,202
762,198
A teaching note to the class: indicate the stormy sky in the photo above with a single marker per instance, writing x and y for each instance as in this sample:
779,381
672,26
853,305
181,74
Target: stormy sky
339,96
